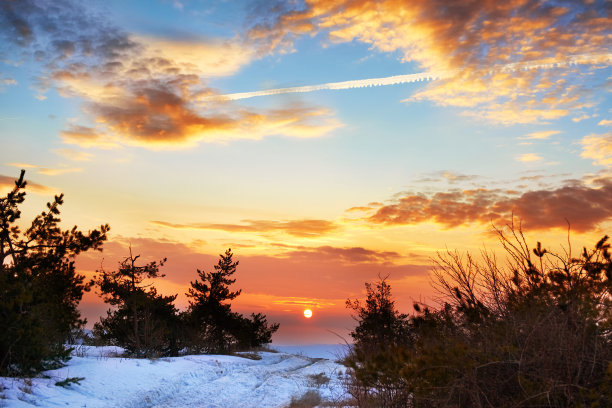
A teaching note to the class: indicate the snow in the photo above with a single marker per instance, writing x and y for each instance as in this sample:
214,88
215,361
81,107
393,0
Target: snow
329,351
188,381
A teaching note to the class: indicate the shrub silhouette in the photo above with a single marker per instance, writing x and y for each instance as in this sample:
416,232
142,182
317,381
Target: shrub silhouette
535,331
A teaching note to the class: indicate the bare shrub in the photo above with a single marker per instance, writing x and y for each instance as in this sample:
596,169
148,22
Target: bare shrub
309,399
533,330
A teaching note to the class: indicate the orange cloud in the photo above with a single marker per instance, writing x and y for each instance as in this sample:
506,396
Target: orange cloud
47,171
471,42
86,137
359,209
299,228
161,112
145,91
7,183
346,255
585,207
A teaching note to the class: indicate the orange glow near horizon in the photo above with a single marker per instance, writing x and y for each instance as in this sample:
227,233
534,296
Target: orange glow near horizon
356,177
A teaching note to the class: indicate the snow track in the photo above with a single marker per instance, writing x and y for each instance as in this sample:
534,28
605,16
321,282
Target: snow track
192,381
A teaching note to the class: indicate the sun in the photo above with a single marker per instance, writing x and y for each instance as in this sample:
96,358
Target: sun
308,313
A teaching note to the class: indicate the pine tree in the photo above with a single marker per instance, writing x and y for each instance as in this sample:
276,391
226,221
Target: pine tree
379,322
39,287
145,323
380,342
215,328
254,331
209,307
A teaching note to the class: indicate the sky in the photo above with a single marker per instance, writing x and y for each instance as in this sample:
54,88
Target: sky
327,143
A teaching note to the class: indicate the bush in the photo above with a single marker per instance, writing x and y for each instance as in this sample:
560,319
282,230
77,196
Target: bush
309,399
537,332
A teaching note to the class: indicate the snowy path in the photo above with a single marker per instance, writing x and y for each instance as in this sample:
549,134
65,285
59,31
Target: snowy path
190,381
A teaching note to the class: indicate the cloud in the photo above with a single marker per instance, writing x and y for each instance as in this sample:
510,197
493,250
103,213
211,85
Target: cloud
4,82
306,228
581,118
598,148
303,302
349,255
605,122
545,134
47,171
72,154
360,209
528,158
448,176
139,90
468,40
206,57
7,183
57,171
22,165
584,206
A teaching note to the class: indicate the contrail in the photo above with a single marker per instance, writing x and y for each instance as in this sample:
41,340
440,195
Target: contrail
418,77
359,83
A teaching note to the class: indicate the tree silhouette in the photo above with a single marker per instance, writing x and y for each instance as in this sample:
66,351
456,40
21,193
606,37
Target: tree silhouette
214,327
39,286
381,335
145,323
379,322
209,307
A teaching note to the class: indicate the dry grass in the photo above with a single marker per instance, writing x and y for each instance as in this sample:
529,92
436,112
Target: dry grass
309,400
318,380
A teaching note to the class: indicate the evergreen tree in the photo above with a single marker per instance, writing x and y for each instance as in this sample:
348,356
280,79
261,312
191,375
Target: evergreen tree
145,323
39,287
379,340
254,331
379,322
214,327
209,307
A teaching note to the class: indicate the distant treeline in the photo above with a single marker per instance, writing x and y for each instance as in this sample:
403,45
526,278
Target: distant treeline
40,291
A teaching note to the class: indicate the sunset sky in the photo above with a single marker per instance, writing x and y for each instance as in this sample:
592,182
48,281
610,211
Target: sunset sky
149,116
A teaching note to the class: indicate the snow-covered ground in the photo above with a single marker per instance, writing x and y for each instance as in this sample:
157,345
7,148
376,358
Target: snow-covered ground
332,352
189,381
